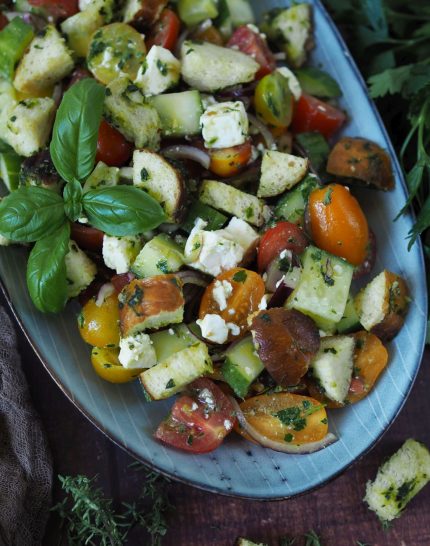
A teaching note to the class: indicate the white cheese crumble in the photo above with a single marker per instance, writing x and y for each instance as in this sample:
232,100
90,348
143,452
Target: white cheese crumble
224,125
221,292
137,352
263,303
160,71
214,328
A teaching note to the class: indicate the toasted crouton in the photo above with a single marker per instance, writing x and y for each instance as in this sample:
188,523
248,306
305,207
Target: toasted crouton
162,181
45,63
80,27
382,305
148,303
143,13
280,172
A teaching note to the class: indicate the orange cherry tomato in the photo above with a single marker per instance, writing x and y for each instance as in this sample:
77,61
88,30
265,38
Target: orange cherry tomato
227,162
338,223
107,366
99,324
286,417
248,290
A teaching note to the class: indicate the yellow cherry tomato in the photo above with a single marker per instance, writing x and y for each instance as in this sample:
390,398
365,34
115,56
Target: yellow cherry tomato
116,49
99,324
107,366
274,101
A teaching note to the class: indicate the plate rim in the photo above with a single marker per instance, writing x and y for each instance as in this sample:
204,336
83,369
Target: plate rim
212,489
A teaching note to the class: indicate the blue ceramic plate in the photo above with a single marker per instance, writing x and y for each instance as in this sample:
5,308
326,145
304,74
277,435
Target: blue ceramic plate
240,468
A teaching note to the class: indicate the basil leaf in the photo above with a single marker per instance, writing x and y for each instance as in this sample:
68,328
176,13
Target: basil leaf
73,200
74,138
46,271
122,210
28,214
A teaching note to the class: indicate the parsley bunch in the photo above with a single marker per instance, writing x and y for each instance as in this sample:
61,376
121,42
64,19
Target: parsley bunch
390,40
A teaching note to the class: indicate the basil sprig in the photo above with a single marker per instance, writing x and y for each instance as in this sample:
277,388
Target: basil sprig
28,214
122,210
46,271
74,138
39,215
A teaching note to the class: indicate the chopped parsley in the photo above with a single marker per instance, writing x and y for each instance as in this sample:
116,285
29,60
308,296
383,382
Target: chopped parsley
163,266
289,437
170,384
327,196
240,276
162,67
144,174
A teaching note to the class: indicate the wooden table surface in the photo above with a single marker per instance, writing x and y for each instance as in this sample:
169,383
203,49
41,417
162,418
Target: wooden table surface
335,511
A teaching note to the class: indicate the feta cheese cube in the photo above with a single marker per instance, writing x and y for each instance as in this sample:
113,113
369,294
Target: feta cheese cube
120,252
221,292
214,328
224,125
241,232
160,71
137,352
80,270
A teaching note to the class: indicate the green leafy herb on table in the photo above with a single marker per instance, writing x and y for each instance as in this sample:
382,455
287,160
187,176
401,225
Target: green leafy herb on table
37,215
391,42
89,518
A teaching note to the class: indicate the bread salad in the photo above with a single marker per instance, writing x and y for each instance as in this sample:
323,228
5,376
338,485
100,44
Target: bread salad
179,170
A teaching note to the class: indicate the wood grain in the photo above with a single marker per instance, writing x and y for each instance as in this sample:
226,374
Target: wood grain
203,519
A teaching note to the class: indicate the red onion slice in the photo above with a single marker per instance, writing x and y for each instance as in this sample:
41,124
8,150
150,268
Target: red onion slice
291,449
193,277
263,130
105,291
183,151
282,293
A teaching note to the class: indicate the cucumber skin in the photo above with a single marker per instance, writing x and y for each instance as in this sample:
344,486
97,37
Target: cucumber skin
232,374
242,366
159,250
350,321
291,207
214,218
179,112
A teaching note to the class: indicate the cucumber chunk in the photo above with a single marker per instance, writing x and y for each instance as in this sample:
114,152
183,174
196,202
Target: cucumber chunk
160,255
171,341
179,112
193,12
350,321
316,149
240,12
215,219
291,206
323,287
10,165
242,366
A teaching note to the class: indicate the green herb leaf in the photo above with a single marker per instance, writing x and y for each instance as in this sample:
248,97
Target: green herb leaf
73,200
318,83
240,276
28,214
46,271
122,210
390,81
74,138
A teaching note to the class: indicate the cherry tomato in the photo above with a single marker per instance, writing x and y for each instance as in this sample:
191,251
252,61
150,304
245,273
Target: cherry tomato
253,44
121,280
284,236
274,101
112,148
370,360
199,421
87,237
227,162
166,31
3,21
247,291
286,417
99,324
80,73
311,114
338,223
210,34
107,366
59,9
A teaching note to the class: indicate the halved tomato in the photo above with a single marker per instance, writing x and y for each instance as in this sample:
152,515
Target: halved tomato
107,366
166,31
285,417
59,9
227,162
253,44
284,236
200,420
112,148
3,21
311,114
87,237
247,291
99,324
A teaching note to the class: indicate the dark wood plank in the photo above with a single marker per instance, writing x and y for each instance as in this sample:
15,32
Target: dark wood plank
204,519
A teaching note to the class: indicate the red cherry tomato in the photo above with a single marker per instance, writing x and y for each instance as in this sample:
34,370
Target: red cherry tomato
3,21
87,237
78,74
312,114
251,43
284,236
60,10
200,420
112,148
121,280
166,31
